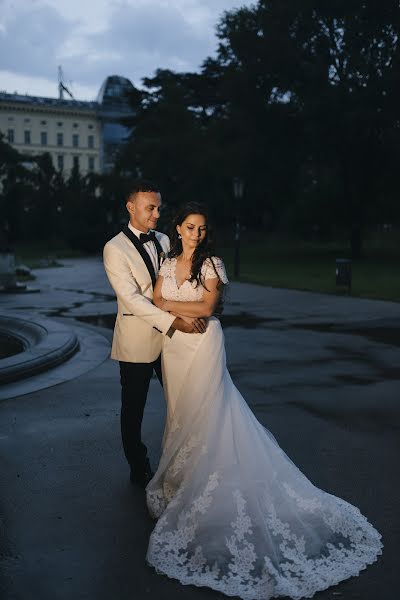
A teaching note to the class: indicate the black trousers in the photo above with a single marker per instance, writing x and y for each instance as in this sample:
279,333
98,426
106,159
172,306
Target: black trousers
135,380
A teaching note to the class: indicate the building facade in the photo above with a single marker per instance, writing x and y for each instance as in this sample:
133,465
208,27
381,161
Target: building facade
68,130
86,134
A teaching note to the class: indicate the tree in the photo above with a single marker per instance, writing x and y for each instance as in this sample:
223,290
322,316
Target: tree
167,142
15,187
333,66
43,203
84,218
301,101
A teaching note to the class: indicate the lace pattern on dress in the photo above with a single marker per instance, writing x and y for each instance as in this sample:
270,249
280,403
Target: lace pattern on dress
211,267
182,456
189,290
355,544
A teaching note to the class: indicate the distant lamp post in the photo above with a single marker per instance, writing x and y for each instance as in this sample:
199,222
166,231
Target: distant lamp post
238,189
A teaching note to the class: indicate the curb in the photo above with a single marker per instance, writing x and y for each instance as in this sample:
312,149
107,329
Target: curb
46,343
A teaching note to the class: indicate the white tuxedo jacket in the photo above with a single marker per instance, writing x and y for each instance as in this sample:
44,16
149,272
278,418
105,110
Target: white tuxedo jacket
140,326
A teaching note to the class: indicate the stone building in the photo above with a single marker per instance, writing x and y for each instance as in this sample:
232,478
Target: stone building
68,129
73,132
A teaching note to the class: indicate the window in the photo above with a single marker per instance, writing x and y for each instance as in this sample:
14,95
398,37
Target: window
91,163
75,140
43,138
60,162
60,139
10,136
91,141
43,122
76,162
90,126
59,124
76,125
27,120
27,137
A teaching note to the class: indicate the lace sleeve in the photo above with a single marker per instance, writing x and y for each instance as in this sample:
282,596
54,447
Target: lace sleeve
211,267
165,268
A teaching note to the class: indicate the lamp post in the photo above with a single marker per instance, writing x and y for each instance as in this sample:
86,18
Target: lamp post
238,188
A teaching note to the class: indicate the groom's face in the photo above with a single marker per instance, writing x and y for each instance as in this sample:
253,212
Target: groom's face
144,210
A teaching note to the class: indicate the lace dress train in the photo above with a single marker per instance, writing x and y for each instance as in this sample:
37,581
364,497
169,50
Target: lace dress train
234,513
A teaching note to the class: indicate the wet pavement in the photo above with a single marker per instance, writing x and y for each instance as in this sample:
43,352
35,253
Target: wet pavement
321,372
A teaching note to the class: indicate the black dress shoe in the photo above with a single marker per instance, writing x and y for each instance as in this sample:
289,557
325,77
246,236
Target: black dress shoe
142,476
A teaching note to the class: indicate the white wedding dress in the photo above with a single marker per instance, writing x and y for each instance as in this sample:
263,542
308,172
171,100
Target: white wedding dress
234,513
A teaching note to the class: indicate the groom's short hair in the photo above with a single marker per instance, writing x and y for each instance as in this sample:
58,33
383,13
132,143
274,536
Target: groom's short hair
141,185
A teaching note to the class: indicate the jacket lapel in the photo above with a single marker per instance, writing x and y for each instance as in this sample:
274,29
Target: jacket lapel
139,247
159,250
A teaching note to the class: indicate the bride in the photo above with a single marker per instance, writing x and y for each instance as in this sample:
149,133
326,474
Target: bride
234,513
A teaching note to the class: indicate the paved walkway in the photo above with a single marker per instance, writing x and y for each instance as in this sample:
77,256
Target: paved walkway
321,372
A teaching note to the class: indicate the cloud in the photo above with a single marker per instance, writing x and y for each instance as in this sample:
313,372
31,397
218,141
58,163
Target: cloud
142,37
30,39
127,37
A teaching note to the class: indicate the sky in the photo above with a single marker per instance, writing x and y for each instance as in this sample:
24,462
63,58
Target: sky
91,39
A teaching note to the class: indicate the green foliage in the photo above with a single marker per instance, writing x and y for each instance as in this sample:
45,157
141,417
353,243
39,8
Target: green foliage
38,205
301,101
15,186
84,222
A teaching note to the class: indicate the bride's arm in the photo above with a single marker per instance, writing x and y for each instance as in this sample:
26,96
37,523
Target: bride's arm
197,325
158,300
186,319
199,308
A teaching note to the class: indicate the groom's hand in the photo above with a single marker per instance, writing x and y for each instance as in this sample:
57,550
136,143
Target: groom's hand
199,324
190,324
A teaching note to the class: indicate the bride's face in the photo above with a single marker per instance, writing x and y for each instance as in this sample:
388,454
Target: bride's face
193,231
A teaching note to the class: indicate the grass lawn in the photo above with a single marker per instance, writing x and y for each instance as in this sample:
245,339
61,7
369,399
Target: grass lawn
311,266
282,263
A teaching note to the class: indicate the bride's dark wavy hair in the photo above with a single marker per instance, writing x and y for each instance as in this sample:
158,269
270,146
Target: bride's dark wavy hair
204,250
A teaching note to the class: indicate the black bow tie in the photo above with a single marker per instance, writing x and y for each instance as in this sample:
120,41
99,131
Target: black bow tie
147,237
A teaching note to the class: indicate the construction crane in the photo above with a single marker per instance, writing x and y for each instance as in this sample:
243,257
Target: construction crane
61,85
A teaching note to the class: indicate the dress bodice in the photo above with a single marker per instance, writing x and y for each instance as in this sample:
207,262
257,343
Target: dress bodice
189,291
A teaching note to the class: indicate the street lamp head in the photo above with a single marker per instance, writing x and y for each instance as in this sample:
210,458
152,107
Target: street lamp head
238,187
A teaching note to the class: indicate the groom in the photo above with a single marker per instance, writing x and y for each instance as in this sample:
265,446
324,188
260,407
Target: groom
132,261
